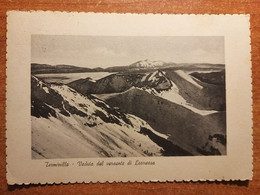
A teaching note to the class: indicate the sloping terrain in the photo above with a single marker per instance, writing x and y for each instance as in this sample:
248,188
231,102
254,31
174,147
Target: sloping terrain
176,86
186,128
176,110
190,109
66,124
147,64
199,92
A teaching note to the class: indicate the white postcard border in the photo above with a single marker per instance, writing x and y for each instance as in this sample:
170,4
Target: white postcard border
236,165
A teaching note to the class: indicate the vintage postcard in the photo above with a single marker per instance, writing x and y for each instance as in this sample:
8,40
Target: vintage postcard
95,97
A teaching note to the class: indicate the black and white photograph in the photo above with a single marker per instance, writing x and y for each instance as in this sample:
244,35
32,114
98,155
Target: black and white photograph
127,96
92,97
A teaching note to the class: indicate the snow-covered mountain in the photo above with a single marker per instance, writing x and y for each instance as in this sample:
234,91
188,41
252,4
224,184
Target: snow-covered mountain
174,103
156,83
147,64
186,128
149,108
67,124
163,87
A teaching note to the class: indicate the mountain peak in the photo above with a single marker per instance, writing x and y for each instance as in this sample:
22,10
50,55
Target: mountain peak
147,64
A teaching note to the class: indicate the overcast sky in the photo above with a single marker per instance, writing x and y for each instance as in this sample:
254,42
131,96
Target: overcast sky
105,51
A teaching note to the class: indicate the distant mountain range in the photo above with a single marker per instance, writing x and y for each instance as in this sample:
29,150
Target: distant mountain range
137,66
48,69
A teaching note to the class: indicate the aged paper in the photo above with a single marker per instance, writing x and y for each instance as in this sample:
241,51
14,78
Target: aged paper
95,97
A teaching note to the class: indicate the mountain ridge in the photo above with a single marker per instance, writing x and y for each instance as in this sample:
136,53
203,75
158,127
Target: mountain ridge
66,124
139,65
185,127
178,109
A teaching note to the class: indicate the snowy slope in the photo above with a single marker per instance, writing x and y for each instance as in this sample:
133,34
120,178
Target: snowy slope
66,124
188,78
167,89
147,64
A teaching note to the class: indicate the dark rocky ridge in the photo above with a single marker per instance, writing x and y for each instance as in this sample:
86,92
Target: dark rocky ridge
119,82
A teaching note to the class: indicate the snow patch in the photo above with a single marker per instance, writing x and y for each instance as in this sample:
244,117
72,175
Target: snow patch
138,122
152,77
188,78
45,89
174,96
148,64
144,77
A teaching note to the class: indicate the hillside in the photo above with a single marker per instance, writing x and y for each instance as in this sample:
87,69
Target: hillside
200,92
186,128
183,107
66,124
176,86
172,102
